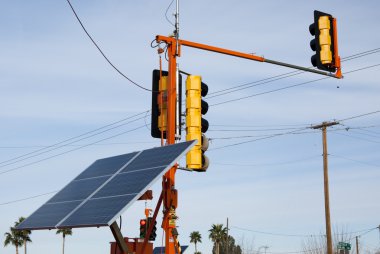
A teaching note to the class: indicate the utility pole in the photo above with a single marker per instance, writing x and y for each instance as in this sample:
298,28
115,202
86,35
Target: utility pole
357,244
324,126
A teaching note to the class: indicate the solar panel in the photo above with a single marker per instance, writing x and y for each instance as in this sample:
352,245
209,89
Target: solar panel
98,195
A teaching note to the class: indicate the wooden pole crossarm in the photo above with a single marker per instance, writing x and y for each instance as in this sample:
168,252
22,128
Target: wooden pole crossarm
253,57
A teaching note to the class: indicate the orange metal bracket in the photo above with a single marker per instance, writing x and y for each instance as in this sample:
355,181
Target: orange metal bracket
336,54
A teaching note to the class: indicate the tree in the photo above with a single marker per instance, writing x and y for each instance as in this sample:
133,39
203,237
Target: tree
218,234
230,246
24,234
64,232
195,237
13,237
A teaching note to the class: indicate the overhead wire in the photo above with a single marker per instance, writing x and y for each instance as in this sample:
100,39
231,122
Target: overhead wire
166,13
269,164
256,139
303,235
359,138
291,86
27,198
101,51
358,161
282,76
72,140
72,150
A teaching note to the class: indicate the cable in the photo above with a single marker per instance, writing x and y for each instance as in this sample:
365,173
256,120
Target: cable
75,137
354,137
284,75
291,86
53,148
362,162
257,139
358,116
27,198
166,13
269,164
303,235
102,144
56,155
260,130
101,52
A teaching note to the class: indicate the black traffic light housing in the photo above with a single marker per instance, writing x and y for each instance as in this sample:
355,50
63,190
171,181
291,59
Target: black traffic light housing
315,45
153,234
155,130
143,228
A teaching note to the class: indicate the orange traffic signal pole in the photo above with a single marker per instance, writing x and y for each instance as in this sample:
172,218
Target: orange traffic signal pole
168,184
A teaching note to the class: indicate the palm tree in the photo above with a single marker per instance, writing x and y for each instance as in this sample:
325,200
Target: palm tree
13,237
195,237
64,232
218,233
24,234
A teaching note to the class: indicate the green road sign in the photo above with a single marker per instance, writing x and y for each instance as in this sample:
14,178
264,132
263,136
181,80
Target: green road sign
344,246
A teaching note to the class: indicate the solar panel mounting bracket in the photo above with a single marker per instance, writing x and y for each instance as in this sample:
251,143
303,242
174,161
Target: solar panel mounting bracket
119,238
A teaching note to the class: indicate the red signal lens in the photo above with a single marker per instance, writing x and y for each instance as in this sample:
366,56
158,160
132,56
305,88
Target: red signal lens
142,222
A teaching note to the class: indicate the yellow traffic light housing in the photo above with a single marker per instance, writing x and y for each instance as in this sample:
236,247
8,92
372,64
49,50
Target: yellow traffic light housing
196,126
325,42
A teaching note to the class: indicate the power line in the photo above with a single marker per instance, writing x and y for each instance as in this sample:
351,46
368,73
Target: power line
302,235
72,150
72,140
361,162
27,198
260,130
291,86
354,137
282,76
102,144
269,164
361,115
257,139
166,13
101,52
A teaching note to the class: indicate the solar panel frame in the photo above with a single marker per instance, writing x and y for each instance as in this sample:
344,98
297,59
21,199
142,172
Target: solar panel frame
139,162
189,145
99,188
154,180
79,177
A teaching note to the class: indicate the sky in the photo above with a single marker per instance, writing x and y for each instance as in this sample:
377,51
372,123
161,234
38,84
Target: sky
55,86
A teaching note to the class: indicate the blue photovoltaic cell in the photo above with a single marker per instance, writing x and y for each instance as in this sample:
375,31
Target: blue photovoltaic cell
79,189
128,183
107,187
97,212
48,215
107,166
155,157
62,203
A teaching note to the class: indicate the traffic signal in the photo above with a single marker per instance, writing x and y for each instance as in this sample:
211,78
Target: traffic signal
143,228
196,126
324,42
159,103
153,234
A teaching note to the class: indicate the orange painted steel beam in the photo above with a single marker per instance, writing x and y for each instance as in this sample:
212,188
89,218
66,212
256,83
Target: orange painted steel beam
242,55
336,54
168,182
211,48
